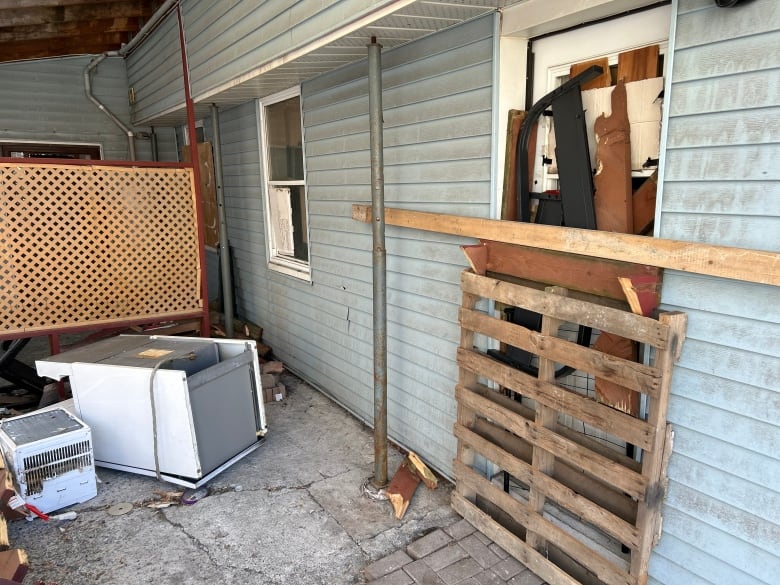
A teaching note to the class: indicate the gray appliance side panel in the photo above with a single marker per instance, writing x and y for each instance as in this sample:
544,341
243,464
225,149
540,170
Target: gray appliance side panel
224,416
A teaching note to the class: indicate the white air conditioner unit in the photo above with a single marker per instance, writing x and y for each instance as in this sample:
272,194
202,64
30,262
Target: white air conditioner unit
50,456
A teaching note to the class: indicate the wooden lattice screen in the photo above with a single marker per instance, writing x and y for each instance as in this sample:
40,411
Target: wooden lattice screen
569,507
84,245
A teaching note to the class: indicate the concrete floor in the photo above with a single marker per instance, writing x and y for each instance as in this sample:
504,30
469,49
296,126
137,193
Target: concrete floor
292,512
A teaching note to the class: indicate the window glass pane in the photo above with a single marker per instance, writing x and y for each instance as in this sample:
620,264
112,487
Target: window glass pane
284,138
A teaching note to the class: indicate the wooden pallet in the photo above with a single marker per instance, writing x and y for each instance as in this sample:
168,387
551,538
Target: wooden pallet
91,245
558,468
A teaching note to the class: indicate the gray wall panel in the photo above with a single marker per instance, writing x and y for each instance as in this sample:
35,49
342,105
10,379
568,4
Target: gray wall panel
44,100
154,71
721,185
438,100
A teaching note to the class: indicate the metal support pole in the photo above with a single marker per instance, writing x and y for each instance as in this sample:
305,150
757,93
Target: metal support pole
205,325
379,261
224,245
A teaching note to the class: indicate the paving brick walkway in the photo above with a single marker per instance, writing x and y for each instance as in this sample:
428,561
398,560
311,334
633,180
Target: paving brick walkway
454,555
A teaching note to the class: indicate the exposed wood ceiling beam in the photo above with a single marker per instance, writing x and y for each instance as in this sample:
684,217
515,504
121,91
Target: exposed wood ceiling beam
75,13
31,29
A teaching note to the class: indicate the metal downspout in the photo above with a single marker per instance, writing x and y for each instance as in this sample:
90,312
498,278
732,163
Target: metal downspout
224,245
379,262
88,90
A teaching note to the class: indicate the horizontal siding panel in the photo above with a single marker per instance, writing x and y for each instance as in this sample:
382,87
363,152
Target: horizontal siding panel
704,27
719,295
753,232
731,363
734,163
754,53
752,335
271,30
752,89
723,197
753,402
437,100
670,573
698,567
717,451
756,126
726,488
44,101
711,524
154,71
744,432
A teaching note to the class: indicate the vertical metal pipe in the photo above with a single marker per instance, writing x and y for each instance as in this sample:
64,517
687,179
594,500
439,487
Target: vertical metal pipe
205,325
155,151
379,261
224,245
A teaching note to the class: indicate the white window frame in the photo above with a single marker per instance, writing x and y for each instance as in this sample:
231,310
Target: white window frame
276,260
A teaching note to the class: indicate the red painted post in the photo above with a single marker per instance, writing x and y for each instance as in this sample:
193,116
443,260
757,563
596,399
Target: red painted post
205,328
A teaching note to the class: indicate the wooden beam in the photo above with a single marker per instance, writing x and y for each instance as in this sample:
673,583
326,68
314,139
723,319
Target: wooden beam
596,276
68,29
642,329
76,12
758,266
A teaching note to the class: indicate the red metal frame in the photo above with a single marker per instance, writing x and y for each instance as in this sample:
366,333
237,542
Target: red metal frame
96,162
54,336
205,328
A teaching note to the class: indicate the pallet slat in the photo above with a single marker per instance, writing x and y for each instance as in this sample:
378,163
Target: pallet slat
562,495
607,572
601,416
637,327
620,371
597,465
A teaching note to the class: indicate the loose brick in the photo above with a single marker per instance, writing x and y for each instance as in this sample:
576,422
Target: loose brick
445,556
269,380
422,573
460,529
428,544
479,551
398,577
526,578
459,571
387,565
272,368
508,568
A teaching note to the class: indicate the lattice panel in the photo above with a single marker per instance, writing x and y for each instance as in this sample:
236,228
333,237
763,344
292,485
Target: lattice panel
82,245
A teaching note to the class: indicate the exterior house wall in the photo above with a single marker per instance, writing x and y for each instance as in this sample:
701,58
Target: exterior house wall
721,185
437,100
225,41
43,100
